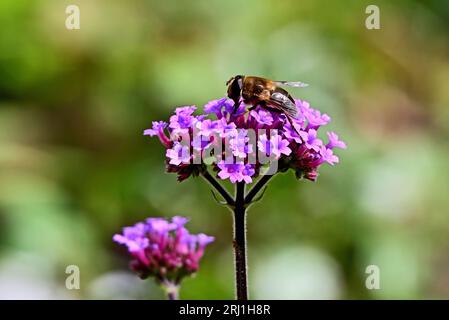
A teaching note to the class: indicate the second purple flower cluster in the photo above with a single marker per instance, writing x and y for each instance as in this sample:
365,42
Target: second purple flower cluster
163,249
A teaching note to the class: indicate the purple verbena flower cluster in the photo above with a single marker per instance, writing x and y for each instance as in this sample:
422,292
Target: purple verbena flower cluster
163,249
238,144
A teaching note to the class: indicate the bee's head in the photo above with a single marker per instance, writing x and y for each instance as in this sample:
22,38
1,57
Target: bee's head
235,85
236,79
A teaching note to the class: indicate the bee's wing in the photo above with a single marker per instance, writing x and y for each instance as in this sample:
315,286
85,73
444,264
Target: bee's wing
283,103
296,84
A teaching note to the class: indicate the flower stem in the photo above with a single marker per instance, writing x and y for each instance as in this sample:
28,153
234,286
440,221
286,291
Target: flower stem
173,295
171,289
239,242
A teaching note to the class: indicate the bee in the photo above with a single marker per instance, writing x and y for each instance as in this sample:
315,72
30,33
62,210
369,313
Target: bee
264,92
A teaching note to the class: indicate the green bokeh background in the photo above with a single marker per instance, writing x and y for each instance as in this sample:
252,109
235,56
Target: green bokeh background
75,168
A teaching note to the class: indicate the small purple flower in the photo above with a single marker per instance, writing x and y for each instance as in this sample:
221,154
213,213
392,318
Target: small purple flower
159,225
183,120
215,106
239,144
274,146
262,116
235,172
185,111
157,126
133,238
312,142
248,172
294,135
200,142
281,146
163,249
226,129
334,142
158,129
179,221
208,127
328,156
314,117
204,239
178,154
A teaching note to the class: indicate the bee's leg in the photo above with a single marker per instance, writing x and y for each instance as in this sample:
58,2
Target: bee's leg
236,105
289,118
292,123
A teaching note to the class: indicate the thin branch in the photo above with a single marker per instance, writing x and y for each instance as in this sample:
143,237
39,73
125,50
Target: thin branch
257,187
260,196
217,186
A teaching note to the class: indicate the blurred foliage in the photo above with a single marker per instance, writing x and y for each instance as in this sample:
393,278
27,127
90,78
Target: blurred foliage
75,168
